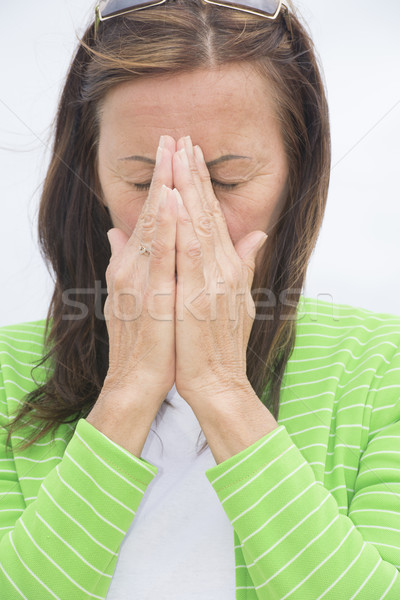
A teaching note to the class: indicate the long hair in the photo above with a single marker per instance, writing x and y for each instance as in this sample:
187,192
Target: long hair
178,36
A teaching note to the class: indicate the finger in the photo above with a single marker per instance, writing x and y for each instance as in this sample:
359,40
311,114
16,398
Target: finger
118,240
163,248
223,247
189,255
201,219
185,143
145,226
247,249
212,201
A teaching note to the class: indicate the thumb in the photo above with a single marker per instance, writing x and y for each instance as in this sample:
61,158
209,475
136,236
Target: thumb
118,240
248,248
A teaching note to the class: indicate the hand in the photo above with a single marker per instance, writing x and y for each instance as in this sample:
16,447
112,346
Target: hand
140,307
214,307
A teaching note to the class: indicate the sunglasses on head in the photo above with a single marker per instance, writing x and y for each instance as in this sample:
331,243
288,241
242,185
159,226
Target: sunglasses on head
106,9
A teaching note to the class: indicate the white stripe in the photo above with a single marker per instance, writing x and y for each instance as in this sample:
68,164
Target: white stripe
18,372
321,563
351,406
289,373
377,409
305,414
12,583
22,341
294,433
360,494
57,439
346,327
58,566
324,357
89,504
265,495
272,517
28,569
376,469
385,593
340,343
131,456
380,527
77,523
364,582
306,383
110,468
26,331
371,433
35,460
386,545
344,467
381,452
258,474
342,307
15,360
287,533
340,487
375,510
270,437
73,549
22,349
99,486
299,554
303,398
10,381
345,571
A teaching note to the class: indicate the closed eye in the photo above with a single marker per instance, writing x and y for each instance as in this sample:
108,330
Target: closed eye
141,187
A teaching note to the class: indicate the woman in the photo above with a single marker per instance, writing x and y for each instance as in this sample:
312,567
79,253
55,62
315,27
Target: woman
187,131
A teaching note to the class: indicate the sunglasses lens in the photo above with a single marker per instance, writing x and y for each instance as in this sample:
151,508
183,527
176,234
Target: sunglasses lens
264,7
108,8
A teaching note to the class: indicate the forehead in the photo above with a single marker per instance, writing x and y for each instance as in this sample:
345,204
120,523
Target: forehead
231,100
231,103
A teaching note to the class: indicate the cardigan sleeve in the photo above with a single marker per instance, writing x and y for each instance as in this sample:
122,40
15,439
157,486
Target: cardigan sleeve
65,543
296,542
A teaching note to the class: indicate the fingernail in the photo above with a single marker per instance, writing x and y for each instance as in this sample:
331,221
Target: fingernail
183,157
162,141
163,195
159,155
199,153
189,145
178,197
261,243
109,239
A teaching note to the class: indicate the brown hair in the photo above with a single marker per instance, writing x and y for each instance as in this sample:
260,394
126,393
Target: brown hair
174,37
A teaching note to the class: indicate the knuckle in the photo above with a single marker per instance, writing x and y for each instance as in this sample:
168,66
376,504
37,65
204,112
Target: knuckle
193,249
204,224
230,275
185,220
159,248
120,279
204,176
148,222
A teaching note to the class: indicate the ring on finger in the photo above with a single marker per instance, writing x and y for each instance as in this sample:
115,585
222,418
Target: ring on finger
144,250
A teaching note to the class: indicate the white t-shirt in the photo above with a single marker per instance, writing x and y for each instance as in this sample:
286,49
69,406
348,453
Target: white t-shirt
180,545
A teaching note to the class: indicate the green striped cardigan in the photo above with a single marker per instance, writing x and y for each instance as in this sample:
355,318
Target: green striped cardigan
314,504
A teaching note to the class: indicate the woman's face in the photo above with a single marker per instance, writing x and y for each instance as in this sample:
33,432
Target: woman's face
228,112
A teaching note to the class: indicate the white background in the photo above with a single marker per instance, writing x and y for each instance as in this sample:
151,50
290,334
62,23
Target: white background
357,257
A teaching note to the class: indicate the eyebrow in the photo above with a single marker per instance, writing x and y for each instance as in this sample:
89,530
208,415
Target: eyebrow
209,164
